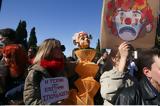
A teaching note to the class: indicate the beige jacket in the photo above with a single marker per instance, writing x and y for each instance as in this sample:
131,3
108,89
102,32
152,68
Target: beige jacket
111,81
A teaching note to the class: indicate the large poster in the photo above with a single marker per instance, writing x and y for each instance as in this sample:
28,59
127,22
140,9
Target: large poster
133,21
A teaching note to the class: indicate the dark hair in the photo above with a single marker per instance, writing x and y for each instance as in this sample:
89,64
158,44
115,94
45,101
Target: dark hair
146,59
63,48
34,49
8,33
70,58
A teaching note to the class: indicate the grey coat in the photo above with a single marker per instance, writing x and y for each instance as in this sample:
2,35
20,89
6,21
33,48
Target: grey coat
32,93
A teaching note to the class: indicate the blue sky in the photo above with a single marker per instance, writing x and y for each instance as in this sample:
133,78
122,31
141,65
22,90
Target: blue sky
54,18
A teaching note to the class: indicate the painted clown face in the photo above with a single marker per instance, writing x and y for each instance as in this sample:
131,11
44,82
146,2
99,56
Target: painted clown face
128,23
129,19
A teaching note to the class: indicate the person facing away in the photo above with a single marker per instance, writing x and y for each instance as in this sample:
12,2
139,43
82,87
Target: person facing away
31,54
48,63
116,75
102,60
147,92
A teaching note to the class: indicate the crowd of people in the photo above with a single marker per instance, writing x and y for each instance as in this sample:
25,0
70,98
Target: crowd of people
123,79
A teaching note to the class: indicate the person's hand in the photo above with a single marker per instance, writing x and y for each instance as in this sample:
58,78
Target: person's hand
123,50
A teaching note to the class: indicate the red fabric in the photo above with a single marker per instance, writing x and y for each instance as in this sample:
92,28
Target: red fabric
53,66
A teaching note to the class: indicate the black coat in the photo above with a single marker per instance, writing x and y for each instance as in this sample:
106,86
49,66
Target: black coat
141,94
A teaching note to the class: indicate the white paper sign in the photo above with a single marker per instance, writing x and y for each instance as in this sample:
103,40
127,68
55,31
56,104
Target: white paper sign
54,89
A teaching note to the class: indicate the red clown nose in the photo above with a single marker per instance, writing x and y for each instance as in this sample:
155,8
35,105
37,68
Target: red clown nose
128,21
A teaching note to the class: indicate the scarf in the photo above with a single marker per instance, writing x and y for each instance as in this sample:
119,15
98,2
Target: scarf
53,66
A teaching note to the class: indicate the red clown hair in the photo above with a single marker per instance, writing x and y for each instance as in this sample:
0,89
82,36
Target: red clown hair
113,5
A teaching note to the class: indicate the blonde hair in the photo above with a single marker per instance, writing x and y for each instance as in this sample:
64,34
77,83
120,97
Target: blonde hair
45,50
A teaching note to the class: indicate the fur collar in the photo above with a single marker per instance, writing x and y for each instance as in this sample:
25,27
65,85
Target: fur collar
56,64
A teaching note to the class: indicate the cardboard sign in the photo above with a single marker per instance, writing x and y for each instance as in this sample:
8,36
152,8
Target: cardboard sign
54,89
133,21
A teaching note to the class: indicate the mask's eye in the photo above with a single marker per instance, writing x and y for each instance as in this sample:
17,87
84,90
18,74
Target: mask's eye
136,14
121,13
82,38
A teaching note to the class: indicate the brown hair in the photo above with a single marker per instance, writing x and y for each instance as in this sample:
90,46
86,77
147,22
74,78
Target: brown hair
146,59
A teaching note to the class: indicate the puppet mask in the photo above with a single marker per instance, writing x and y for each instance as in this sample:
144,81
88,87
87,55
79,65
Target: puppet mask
82,39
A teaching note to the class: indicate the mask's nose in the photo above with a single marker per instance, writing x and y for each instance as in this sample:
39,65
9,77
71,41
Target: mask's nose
128,21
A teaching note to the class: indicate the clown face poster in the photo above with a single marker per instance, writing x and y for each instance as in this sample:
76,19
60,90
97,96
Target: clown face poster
133,21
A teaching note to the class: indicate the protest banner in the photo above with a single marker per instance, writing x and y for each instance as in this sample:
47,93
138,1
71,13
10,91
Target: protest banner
133,21
54,89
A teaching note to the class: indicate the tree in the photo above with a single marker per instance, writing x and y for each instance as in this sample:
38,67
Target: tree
98,53
0,4
32,42
98,46
21,33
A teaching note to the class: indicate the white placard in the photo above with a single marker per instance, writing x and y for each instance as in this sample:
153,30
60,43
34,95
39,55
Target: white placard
54,89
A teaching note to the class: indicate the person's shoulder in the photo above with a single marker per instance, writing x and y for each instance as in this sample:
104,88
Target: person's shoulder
107,74
113,73
131,91
35,72
128,96
35,68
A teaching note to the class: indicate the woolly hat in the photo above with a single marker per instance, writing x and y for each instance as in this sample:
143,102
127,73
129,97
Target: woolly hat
8,33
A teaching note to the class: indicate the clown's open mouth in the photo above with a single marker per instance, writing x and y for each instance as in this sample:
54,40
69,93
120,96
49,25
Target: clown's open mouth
131,31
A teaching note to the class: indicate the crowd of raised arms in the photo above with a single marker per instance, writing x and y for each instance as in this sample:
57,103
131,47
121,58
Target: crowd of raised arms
115,78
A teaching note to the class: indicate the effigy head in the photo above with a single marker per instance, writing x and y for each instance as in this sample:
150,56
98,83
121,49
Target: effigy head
82,40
